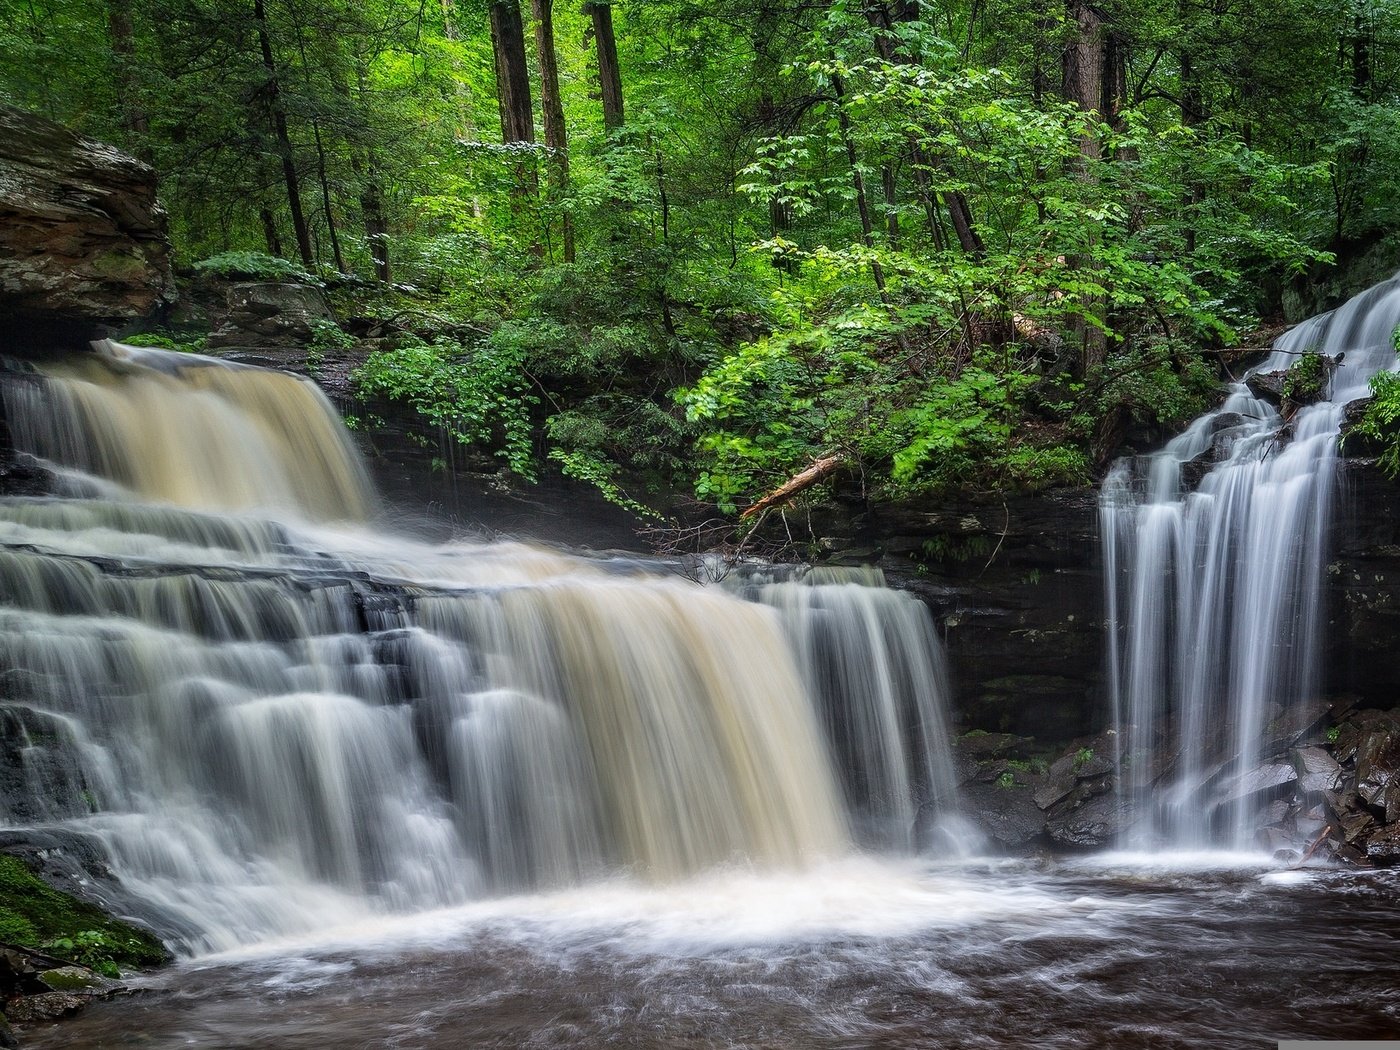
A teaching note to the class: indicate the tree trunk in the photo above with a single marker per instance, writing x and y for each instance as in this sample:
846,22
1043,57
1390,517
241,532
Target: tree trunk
556,135
376,229
512,72
284,139
270,234
1362,36
867,229
883,17
609,74
1084,67
123,36
1094,73
337,257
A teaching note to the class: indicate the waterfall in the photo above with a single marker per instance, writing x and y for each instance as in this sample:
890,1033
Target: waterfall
1214,590
270,719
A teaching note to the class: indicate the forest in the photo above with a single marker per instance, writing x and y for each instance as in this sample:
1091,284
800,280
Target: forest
694,251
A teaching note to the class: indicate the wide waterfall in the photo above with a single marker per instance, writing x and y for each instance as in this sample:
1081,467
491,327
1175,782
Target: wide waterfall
1214,590
269,718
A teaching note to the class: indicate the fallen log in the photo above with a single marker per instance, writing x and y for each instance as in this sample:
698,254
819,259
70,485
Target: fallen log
819,470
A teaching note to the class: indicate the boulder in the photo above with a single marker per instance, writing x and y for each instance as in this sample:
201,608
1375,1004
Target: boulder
82,237
48,1006
1004,812
1355,443
1383,847
1317,770
1267,386
266,315
1097,823
1264,779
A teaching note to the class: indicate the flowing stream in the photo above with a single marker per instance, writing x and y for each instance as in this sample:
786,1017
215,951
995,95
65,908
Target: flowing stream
1215,600
377,792
273,719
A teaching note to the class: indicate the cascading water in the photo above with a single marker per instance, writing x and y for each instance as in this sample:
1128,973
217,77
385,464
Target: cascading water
1214,591
270,723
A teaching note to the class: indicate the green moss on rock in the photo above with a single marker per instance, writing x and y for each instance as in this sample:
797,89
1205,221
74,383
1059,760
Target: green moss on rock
35,915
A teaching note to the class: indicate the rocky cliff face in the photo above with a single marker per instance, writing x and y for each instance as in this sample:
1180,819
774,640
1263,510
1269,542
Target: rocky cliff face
82,237
1017,589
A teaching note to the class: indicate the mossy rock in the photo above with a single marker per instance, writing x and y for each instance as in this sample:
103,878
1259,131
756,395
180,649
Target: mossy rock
35,915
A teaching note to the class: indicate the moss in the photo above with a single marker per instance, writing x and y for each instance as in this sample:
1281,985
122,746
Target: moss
1306,378
35,915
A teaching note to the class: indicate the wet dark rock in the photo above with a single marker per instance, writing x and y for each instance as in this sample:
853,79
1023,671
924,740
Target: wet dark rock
1317,770
82,237
1217,451
1297,724
1383,847
20,475
1097,823
47,1006
979,744
1354,442
1267,386
1263,779
1377,763
40,775
1004,812
36,987
78,980
8,1039
1356,824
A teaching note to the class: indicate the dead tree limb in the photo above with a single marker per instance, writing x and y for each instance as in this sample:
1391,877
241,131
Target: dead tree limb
819,470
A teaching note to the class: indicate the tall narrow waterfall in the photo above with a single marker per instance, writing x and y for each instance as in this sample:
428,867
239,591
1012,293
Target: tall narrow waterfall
268,723
1214,590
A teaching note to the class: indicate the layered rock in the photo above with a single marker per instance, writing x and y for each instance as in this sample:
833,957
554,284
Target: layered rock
82,237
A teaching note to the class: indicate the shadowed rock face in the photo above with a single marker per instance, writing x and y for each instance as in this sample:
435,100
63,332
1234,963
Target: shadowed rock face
82,238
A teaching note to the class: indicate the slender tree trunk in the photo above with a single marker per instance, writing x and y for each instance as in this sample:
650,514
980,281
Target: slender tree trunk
512,72
1191,116
123,37
668,322
270,234
867,229
556,135
284,139
376,229
1093,75
326,208
883,17
1084,67
322,176
1362,36
609,73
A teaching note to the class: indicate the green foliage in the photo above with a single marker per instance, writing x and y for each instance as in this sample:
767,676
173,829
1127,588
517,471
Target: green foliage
602,476
35,915
252,266
166,342
945,548
474,395
810,237
1306,378
1381,421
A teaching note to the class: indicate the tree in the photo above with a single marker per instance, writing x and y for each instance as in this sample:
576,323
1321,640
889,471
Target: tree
552,106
